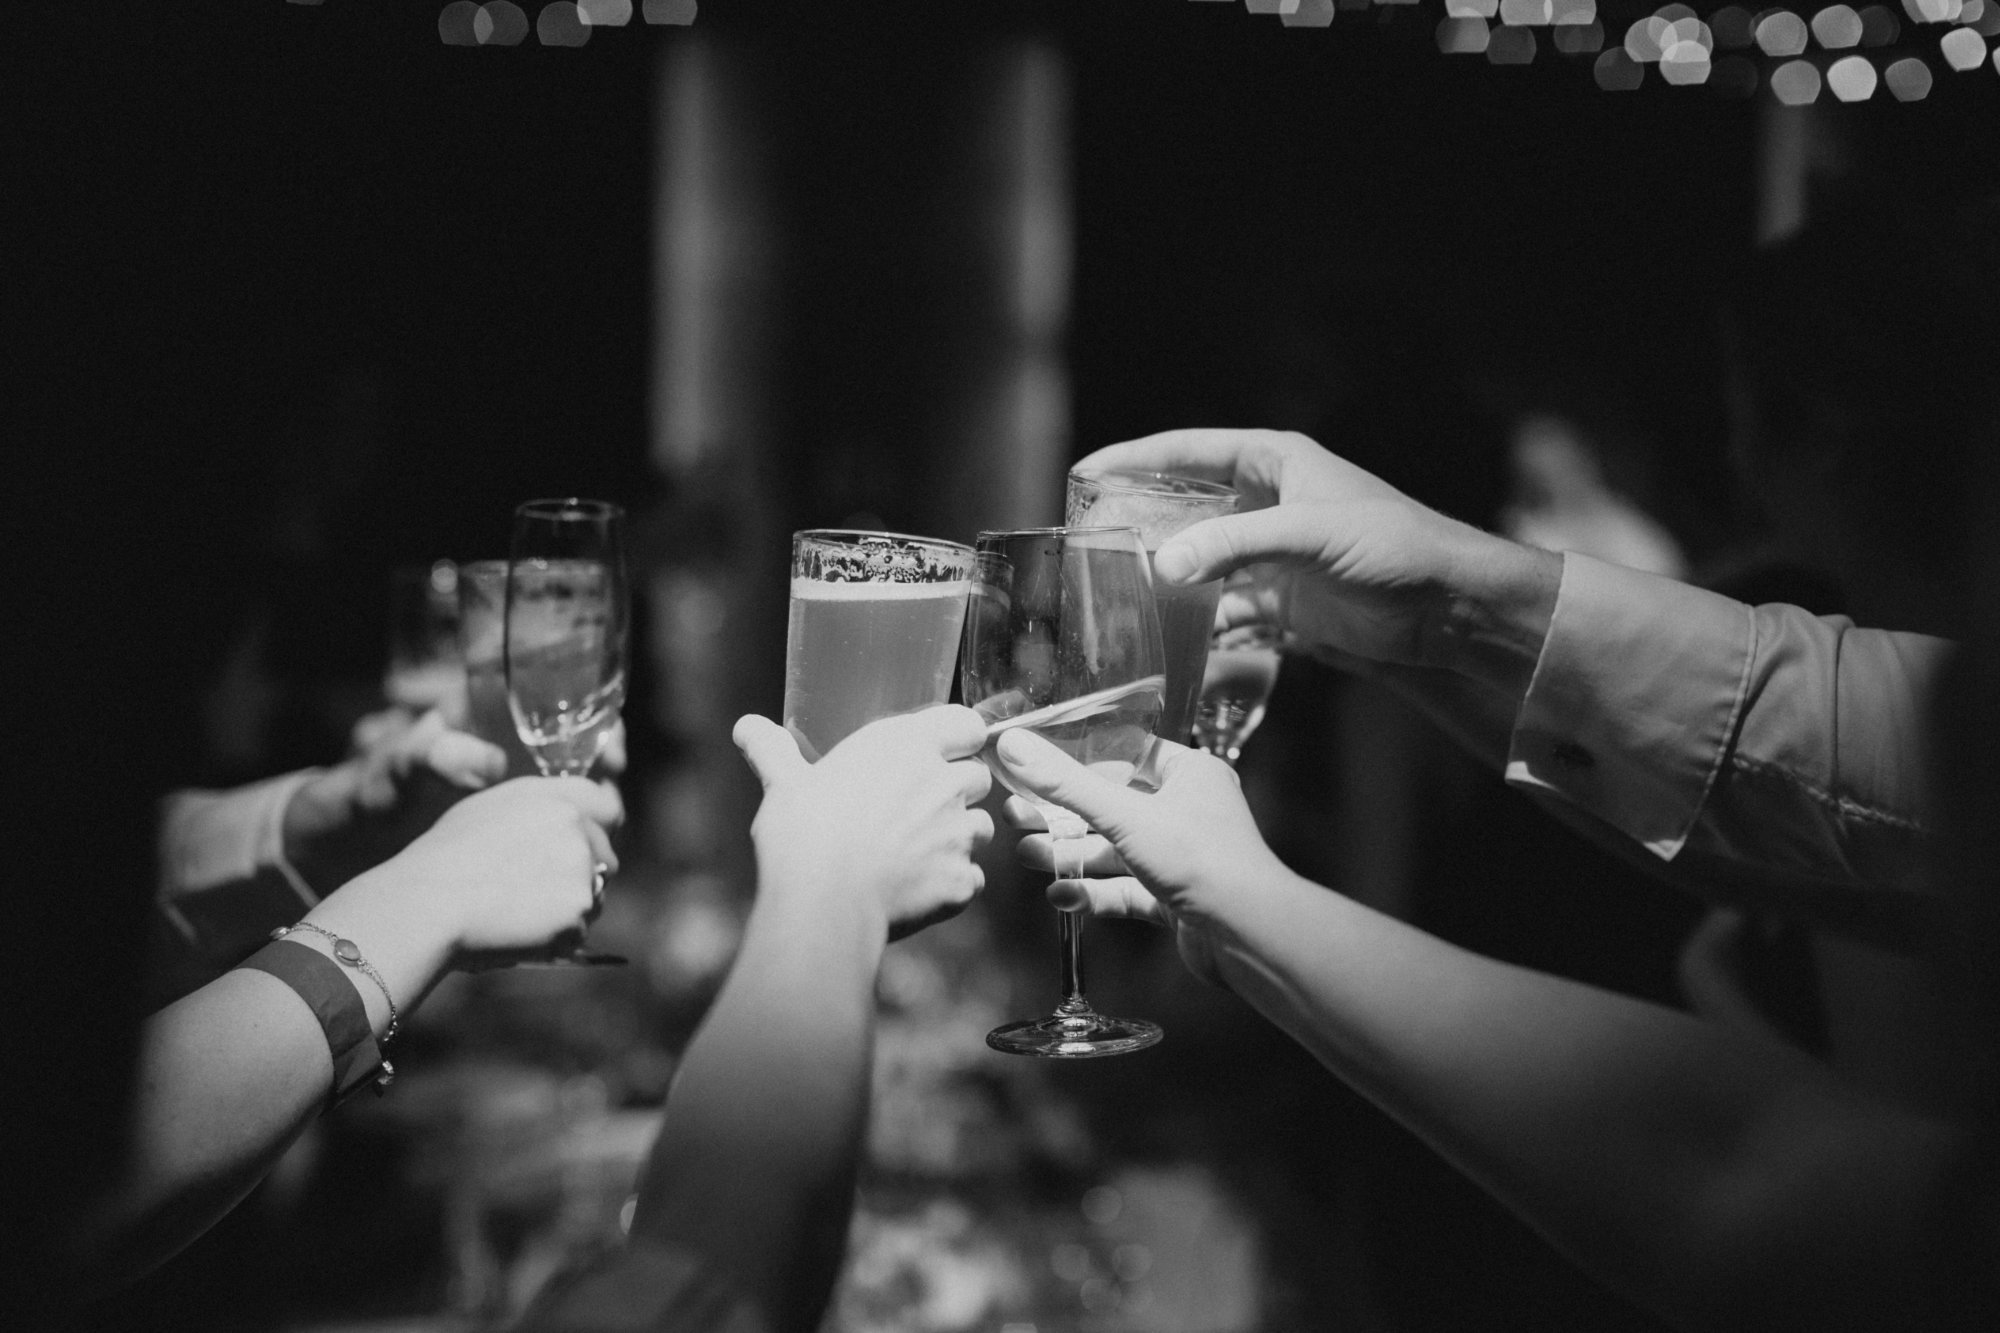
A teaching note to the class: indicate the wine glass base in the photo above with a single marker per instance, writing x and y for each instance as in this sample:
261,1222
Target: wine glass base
1075,1037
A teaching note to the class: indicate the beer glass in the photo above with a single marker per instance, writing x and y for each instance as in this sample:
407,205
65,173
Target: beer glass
1063,638
873,630
1158,505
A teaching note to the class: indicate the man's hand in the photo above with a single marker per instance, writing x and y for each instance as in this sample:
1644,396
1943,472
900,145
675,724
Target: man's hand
1346,564
885,814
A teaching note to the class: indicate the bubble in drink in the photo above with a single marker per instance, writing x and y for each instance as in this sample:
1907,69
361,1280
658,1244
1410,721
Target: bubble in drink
855,652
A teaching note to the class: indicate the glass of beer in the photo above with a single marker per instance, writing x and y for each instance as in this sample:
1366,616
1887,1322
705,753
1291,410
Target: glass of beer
874,630
1063,638
1158,505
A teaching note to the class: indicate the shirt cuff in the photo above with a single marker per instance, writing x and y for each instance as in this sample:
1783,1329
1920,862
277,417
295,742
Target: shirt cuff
1633,700
210,839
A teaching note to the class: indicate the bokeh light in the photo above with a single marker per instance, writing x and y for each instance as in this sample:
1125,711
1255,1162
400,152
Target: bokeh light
1963,49
1837,27
1462,36
1643,39
670,11
1733,27
1852,79
606,13
1574,13
1511,46
561,24
1983,19
1617,72
1310,14
455,23
1572,40
1471,9
1909,79
1879,27
1796,82
1525,13
1684,64
500,23
1734,76
1782,33
1933,11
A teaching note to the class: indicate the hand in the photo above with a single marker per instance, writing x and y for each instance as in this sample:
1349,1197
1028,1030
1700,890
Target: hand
1177,856
510,874
404,773
883,815
1347,564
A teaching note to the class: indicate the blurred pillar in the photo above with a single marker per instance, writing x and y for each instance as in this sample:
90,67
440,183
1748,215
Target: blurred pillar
1785,136
711,558
1005,416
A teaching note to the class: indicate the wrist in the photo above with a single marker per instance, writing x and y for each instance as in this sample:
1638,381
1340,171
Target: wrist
394,924
1494,610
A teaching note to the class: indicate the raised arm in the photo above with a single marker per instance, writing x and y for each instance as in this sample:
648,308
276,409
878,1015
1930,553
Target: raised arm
1720,1182
1777,752
232,1073
744,1205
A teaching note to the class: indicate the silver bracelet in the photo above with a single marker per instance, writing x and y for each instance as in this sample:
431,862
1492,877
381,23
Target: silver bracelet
348,952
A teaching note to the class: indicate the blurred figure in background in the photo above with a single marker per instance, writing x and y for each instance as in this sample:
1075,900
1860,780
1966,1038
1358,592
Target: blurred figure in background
1561,500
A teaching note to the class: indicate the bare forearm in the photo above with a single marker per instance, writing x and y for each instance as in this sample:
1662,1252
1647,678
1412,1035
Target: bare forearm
1678,1165
754,1167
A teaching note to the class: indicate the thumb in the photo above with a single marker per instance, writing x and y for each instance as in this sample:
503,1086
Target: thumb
1217,546
1039,769
772,752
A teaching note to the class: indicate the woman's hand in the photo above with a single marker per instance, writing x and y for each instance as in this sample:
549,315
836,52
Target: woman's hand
1179,857
511,873
883,815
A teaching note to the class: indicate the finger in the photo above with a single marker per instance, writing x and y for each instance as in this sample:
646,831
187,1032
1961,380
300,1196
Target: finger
1286,534
611,758
1122,897
1040,769
601,853
1024,815
598,801
772,752
982,827
960,732
1088,855
974,778
464,760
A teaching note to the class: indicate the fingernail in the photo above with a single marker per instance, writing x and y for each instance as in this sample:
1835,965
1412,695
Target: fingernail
1015,747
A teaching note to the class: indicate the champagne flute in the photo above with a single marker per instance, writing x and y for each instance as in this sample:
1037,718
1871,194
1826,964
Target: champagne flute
563,639
1235,687
1063,638
1160,504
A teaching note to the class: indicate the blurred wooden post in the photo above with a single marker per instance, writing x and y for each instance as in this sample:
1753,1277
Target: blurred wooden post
712,557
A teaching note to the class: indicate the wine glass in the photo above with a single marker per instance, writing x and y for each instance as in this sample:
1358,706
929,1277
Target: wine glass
563,640
1242,669
1063,638
1160,504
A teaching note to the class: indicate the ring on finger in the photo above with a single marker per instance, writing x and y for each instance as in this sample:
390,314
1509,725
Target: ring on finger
597,873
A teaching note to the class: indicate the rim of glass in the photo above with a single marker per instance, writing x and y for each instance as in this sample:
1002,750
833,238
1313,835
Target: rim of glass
568,506
1135,481
856,534
1061,530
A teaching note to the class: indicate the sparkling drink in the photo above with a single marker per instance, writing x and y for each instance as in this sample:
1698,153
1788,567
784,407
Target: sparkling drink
565,658
873,632
1160,505
1110,732
1242,669
855,652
